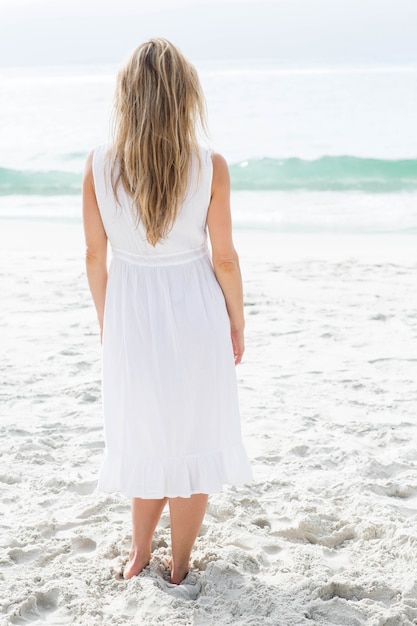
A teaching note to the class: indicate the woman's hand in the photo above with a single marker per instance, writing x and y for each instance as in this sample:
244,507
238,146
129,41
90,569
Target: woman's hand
238,343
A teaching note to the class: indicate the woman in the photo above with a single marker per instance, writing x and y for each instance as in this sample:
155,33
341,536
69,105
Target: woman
171,319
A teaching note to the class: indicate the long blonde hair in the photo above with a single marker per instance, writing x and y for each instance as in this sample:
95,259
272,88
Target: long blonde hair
158,107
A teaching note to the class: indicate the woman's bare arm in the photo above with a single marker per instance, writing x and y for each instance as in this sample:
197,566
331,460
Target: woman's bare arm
225,258
96,243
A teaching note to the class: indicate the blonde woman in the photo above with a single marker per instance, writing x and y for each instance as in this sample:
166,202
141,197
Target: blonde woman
171,317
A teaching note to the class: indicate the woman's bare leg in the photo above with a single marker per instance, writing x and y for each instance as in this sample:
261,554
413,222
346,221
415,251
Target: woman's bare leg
187,515
145,517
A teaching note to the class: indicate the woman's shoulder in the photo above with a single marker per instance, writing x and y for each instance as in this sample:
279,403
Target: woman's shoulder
100,151
220,170
213,160
102,159
218,160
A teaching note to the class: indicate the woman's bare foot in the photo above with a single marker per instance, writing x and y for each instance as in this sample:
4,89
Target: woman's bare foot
186,517
136,563
178,573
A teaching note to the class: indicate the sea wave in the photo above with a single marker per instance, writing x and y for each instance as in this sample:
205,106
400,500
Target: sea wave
39,183
327,173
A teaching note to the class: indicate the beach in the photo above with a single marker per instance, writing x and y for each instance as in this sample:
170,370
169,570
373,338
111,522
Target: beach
324,202
326,534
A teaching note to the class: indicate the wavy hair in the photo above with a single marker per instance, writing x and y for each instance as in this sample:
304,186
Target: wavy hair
159,105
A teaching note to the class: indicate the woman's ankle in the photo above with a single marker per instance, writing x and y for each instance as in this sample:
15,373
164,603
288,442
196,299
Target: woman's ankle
138,560
179,572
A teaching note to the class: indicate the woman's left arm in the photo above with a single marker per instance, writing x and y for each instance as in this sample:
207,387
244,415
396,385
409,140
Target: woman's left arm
96,243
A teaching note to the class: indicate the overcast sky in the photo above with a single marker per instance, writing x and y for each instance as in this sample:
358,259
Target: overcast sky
293,32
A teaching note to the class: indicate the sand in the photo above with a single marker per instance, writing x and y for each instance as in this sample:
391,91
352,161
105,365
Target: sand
327,532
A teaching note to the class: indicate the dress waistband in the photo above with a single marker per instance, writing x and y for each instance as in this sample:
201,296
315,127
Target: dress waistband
177,258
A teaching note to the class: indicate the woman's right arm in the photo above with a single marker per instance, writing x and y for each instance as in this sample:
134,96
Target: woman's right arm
96,243
225,258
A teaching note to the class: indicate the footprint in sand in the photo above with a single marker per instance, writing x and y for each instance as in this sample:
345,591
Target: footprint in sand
83,488
20,555
262,522
347,591
189,589
83,544
38,607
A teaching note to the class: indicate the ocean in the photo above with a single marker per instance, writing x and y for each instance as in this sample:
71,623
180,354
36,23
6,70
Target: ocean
310,149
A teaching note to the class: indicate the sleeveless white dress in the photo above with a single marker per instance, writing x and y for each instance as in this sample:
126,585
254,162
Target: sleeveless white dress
170,404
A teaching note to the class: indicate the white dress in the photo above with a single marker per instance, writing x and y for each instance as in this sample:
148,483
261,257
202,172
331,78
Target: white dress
171,416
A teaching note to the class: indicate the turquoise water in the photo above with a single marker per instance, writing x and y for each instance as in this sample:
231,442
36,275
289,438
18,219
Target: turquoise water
325,174
304,142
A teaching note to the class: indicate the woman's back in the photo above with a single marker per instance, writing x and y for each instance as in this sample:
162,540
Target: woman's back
126,233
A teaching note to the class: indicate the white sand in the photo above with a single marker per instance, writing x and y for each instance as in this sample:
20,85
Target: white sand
327,533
